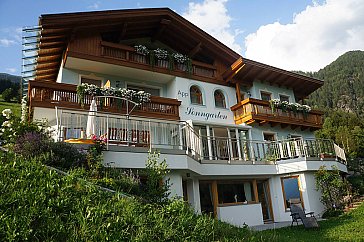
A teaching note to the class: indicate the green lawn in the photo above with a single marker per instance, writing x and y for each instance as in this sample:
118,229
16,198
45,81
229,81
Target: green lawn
15,107
348,227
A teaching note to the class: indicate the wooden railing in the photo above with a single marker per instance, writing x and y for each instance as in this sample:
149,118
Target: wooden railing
251,110
51,94
127,53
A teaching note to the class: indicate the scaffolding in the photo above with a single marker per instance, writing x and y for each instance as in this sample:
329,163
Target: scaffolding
30,42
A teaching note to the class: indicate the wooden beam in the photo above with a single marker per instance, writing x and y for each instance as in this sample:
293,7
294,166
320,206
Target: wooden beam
162,26
215,197
255,189
238,94
195,50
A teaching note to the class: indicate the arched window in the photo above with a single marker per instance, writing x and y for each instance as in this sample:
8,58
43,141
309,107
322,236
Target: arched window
196,95
219,99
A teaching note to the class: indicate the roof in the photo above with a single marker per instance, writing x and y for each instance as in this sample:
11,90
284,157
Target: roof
167,27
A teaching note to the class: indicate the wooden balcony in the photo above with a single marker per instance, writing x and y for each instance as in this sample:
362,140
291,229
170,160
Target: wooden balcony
51,94
127,53
253,110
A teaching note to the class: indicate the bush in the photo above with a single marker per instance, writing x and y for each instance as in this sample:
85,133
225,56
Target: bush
120,180
64,155
357,183
7,94
155,190
32,144
333,188
332,213
37,204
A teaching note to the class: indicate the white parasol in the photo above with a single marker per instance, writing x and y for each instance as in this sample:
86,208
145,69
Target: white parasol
91,120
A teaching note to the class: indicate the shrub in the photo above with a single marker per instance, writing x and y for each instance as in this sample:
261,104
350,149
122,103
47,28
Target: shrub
64,155
332,213
32,144
357,183
7,94
333,188
155,190
37,204
120,180
13,127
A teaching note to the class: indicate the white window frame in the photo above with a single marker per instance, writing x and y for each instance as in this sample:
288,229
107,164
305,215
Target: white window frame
202,93
137,84
225,96
260,94
286,95
93,77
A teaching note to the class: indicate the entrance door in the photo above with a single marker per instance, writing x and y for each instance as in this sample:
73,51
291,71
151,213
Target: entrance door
207,206
265,200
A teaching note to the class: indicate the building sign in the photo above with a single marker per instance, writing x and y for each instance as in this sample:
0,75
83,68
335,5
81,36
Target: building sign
182,94
192,112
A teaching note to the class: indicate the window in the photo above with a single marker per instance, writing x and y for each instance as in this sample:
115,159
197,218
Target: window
91,81
196,95
219,99
235,192
269,136
291,190
284,98
265,96
150,90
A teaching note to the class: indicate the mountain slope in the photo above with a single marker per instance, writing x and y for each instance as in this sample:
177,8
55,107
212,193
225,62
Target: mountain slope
344,84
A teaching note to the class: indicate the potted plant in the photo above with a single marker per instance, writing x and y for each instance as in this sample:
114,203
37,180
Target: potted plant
142,51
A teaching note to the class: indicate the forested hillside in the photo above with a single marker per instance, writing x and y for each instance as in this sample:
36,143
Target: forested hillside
344,84
342,99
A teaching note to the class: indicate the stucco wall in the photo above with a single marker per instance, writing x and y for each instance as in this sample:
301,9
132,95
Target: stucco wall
189,111
250,214
275,90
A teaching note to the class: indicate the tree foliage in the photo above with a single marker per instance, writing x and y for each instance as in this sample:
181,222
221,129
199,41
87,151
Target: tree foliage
333,188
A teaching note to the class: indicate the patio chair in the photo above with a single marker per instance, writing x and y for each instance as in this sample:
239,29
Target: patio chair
298,213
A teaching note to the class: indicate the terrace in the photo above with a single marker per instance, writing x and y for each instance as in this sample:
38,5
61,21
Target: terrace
179,136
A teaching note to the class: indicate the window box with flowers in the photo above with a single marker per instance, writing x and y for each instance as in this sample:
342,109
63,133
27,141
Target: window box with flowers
289,107
141,53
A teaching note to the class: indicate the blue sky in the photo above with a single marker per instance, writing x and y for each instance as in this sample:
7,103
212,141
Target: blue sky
264,30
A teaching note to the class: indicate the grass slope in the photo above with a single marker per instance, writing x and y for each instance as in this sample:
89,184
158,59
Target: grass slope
15,107
348,227
37,204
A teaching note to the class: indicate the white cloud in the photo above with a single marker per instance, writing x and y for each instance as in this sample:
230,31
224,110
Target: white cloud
315,38
6,42
94,6
11,70
212,16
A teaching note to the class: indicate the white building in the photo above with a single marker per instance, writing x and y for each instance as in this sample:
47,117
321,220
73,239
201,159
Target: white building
229,153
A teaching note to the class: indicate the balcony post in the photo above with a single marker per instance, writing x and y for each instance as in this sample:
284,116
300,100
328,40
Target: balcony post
230,145
238,142
209,141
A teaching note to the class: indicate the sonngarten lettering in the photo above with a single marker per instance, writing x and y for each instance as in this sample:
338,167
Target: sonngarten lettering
206,115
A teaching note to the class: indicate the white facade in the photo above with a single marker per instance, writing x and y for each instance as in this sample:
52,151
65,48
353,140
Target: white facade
241,172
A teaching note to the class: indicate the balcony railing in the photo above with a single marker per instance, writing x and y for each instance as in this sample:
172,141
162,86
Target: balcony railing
127,53
180,136
51,94
253,110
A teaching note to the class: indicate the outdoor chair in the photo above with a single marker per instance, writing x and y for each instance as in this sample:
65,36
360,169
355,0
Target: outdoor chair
298,213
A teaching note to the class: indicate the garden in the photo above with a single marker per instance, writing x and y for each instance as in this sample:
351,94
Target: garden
52,191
